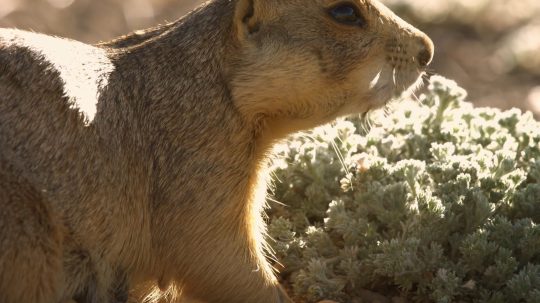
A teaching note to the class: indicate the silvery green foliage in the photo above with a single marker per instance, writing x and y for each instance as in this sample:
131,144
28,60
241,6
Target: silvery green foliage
439,203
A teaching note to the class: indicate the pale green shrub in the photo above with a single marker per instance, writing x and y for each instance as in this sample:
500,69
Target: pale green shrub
439,203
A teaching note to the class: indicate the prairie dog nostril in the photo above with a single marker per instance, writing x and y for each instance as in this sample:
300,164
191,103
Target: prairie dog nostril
425,55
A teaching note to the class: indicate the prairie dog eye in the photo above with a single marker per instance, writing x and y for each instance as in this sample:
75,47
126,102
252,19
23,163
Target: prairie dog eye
347,14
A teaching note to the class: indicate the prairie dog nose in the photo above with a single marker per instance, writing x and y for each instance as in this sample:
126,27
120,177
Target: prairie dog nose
425,55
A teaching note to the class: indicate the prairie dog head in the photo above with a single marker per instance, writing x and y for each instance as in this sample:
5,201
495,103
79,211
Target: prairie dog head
300,63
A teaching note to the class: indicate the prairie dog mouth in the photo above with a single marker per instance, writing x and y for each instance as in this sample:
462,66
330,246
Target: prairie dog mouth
390,84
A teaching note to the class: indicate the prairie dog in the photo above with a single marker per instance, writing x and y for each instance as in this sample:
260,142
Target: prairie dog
140,164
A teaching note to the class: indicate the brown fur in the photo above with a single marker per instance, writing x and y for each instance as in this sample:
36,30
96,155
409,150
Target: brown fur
140,164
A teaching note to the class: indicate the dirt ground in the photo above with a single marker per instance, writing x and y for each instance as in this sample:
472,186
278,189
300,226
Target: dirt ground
491,47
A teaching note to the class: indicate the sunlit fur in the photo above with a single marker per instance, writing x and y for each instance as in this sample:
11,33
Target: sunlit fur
139,166
312,70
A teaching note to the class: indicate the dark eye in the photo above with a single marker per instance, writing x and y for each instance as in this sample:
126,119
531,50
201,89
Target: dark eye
347,14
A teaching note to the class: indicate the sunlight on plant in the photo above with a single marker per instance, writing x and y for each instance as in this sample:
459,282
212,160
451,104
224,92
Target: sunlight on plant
438,203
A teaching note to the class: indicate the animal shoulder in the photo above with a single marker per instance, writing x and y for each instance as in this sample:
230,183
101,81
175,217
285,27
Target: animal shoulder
45,64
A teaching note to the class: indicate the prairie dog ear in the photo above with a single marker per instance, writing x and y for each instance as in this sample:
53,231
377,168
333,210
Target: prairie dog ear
247,18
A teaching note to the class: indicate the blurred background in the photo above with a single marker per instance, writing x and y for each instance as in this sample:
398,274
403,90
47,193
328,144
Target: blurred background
490,47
